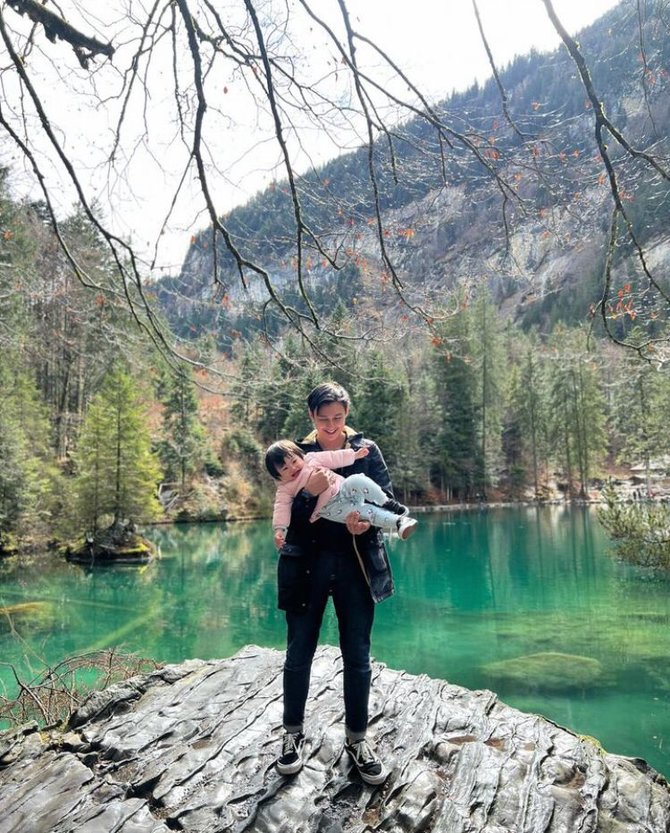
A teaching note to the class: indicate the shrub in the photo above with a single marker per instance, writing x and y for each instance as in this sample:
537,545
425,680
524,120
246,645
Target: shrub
51,698
640,531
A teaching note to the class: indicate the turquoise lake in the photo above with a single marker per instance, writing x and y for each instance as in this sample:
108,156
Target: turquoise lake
525,601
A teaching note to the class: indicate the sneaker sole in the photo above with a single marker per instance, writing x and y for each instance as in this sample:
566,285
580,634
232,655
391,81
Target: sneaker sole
407,531
373,779
290,769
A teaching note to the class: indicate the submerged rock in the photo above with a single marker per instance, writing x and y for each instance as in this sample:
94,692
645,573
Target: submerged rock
31,615
191,747
546,671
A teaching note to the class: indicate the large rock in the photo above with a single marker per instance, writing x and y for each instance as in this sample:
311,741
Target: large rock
191,747
119,543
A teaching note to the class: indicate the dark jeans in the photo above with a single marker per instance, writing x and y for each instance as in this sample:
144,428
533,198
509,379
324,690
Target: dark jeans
338,574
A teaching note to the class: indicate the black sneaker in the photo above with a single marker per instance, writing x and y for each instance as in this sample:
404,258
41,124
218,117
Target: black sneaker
369,767
395,507
290,761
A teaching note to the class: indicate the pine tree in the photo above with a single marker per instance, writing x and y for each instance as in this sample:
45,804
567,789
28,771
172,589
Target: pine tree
641,400
577,408
271,389
379,400
485,346
458,449
416,448
526,421
14,471
117,470
184,447
29,480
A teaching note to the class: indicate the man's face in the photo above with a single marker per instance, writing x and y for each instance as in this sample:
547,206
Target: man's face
290,469
329,422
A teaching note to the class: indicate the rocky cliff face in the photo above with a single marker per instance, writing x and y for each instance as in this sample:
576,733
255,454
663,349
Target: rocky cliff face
191,747
524,209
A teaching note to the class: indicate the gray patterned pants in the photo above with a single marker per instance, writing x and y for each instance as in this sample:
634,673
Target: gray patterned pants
353,494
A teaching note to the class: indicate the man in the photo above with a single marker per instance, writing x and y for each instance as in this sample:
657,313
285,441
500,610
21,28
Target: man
346,562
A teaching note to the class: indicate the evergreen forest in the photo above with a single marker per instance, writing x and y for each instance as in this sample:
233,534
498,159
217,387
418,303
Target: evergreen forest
493,395
97,427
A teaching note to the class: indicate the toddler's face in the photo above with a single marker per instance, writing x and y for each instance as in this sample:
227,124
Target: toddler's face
290,469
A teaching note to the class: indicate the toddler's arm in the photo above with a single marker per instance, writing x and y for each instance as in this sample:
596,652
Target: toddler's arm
361,452
280,536
281,513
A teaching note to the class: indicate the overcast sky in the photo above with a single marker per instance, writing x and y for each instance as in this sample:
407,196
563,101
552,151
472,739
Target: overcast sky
438,40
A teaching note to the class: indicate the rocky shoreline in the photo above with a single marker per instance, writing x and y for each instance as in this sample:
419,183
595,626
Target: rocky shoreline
191,747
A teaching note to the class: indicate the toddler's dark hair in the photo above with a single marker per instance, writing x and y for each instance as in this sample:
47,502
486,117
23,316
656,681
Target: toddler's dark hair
278,453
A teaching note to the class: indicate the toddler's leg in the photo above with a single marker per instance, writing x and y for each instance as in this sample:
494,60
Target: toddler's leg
361,493
379,517
337,508
360,487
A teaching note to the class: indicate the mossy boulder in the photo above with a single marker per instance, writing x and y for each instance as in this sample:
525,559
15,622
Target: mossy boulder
118,544
546,671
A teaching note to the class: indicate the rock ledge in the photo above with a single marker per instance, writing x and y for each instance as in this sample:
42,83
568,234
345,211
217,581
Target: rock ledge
191,747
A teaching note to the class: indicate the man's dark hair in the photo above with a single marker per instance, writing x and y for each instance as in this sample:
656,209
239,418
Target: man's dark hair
326,393
278,453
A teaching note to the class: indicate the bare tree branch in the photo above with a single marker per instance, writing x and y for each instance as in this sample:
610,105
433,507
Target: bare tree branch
55,28
602,123
167,99
494,70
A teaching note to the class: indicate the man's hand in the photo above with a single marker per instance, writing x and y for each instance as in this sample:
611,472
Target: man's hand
318,482
354,523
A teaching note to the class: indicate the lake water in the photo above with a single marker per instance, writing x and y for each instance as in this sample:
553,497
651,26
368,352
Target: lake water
524,601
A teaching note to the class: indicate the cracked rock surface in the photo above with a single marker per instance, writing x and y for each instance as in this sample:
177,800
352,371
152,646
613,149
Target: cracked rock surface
191,747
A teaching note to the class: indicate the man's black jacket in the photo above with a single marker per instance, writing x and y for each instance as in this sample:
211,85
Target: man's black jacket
304,540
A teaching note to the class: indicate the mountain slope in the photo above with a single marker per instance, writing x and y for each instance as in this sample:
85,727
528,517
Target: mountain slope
520,200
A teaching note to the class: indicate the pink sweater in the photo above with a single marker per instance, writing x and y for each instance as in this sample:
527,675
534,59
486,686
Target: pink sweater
313,460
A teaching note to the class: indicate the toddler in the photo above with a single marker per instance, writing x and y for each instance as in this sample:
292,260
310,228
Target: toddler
292,468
